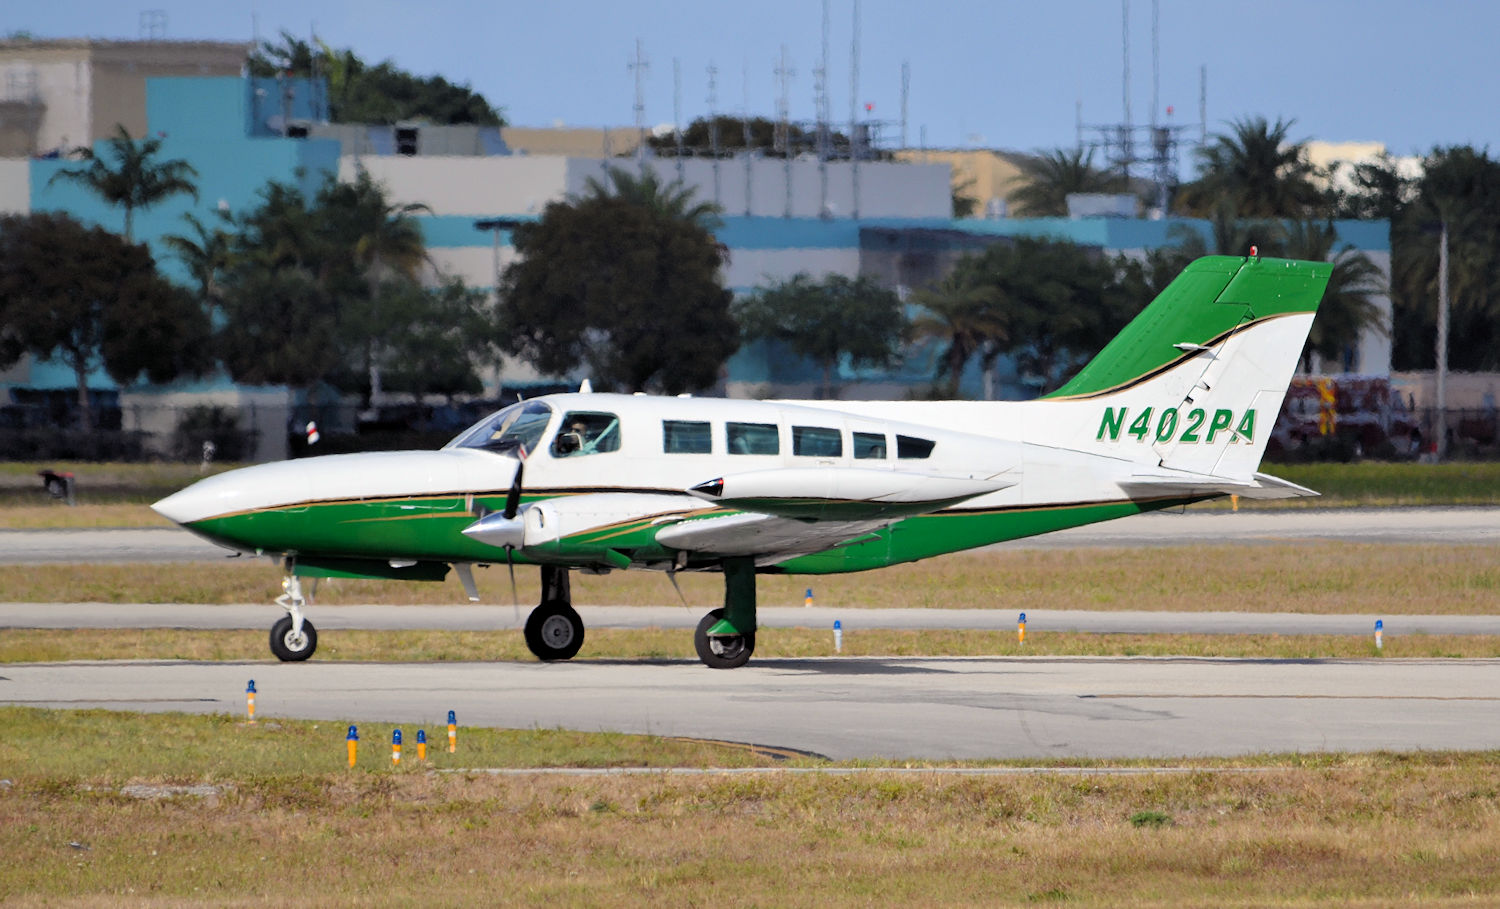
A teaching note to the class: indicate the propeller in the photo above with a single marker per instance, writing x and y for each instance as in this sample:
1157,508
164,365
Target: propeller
505,528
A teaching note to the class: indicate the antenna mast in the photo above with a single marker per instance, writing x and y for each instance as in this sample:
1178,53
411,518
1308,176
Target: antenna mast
854,142
713,125
639,67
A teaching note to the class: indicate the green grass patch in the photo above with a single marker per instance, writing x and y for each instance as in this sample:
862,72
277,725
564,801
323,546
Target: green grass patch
165,809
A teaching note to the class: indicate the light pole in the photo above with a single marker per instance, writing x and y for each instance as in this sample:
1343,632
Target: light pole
1442,346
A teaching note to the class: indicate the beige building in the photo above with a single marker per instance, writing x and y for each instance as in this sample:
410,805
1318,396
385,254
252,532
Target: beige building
571,142
56,95
984,175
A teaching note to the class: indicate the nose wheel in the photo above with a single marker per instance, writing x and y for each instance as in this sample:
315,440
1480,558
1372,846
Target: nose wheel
293,637
290,645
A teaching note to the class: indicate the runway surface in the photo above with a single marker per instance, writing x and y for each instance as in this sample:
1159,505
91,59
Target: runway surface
844,708
1369,525
853,708
500,618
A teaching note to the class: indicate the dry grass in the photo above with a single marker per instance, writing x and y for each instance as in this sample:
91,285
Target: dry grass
1325,578
31,645
1376,829
58,516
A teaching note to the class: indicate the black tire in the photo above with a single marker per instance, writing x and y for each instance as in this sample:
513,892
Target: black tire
288,649
554,631
722,651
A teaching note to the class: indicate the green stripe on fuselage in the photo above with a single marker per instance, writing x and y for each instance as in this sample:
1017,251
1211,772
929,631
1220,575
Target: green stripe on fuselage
430,529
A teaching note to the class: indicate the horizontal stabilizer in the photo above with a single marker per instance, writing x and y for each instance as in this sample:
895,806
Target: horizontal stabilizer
1260,486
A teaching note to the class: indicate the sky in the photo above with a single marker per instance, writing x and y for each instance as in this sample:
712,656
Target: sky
983,73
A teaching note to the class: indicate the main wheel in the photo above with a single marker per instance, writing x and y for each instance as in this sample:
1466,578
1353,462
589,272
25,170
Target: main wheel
291,648
554,631
722,651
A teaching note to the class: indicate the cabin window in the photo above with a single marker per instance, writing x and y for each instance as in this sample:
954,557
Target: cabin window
586,433
754,439
869,445
817,442
685,437
519,426
912,447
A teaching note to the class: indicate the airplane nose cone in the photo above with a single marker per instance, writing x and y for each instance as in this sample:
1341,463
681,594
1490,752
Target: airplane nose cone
184,506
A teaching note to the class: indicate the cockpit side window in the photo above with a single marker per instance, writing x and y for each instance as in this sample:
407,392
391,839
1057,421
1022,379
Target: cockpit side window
519,426
586,433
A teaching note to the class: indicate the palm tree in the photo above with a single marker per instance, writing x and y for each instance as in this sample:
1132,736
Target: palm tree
387,244
135,179
673,200
1258,169
967,317
1346,310
206,255
1049,178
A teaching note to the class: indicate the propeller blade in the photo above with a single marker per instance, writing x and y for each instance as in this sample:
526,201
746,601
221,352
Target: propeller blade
515,597
513,498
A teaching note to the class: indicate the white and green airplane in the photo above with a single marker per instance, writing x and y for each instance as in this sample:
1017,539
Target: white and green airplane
1176,409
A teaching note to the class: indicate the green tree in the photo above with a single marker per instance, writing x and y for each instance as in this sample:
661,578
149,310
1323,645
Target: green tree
386,242
292,296
129,175
1346,310
383,93
968,317
1048,178
91,299
206,254
1049,304
766,137
623,286
828,321
437,338
672,201
1460,187
1256,169
303,294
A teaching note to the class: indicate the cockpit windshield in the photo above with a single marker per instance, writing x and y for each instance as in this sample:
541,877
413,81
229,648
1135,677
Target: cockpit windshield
519,426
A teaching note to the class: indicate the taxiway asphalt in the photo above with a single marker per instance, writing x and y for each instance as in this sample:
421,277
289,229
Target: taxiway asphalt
851,708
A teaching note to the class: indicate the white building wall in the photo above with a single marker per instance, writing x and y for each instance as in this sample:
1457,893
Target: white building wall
15,186
65,86
511,185
885,190
1374,348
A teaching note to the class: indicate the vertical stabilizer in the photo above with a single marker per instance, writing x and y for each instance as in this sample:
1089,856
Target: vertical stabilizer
1194,383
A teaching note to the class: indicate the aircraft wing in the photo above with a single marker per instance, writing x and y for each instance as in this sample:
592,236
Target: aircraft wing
769,538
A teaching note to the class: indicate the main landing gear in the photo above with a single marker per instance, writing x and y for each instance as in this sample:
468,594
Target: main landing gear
724,639
554,631
293,637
